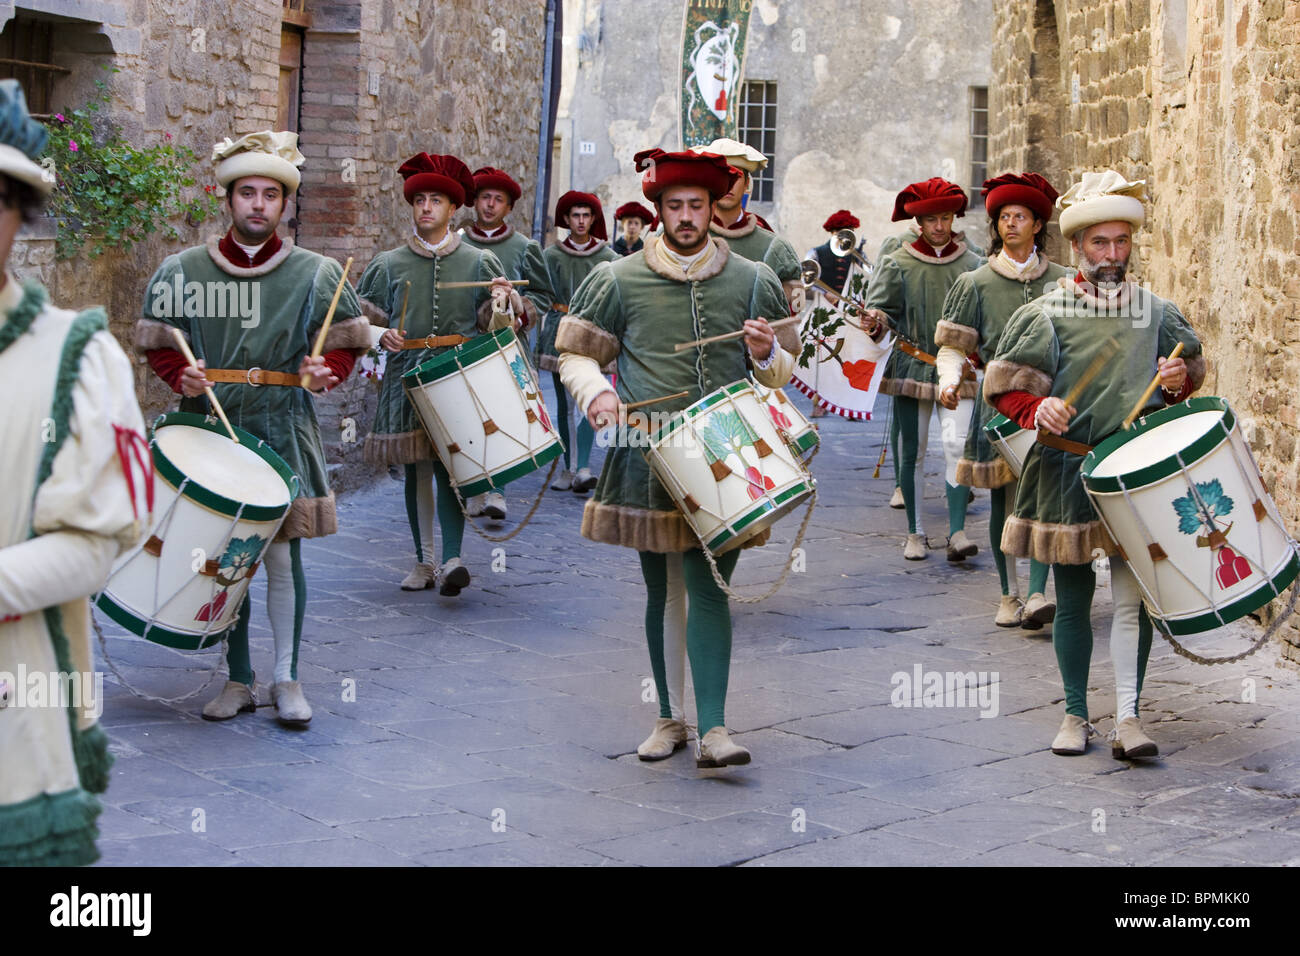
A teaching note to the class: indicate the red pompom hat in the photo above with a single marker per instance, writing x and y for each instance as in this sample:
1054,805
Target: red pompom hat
928,198
439,174
1024,189
841,219
489,177
663,169
630,209
574,198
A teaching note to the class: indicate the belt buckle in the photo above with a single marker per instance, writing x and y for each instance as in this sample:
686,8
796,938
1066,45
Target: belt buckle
248,377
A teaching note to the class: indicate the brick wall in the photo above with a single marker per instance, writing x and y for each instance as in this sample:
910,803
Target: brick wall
1207,110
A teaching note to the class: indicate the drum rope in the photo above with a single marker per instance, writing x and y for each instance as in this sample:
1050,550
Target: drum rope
785,572
212,675
497,538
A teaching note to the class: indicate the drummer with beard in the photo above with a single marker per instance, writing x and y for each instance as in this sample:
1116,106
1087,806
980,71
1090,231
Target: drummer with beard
255,364
684,285
1043,353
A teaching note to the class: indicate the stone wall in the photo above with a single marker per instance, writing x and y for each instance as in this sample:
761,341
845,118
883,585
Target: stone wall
1202,99
463,79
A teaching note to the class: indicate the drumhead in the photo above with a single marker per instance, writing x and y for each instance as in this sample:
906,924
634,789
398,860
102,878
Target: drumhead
1150,450
234,471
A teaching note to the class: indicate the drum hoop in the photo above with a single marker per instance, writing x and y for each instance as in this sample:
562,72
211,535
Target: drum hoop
157,633
1168,466
1002,427
692,410
194,489
458,356
768,505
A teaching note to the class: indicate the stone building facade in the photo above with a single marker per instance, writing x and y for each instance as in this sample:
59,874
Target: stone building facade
1201,98
866,101
366,83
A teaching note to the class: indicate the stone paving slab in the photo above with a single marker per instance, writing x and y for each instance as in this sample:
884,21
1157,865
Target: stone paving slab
499,727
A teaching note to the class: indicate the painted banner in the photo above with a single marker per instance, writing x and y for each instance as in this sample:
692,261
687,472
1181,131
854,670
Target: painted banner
840,367
713,59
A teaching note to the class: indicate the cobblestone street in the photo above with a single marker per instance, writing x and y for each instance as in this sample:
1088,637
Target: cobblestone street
500,727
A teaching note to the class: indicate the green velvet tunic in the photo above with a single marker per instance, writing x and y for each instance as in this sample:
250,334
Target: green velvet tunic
566,269
758,245
977,309
634,311
291,293
521,258
398,438
1044,350
910,288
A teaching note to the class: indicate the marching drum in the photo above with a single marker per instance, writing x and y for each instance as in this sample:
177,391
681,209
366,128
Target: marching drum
799,434
727,467
1181,495
220,505
484,412
1010,441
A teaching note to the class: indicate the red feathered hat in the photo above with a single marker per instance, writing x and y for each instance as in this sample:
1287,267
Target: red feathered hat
574,198
1025,189
662,170
489,177
929,198
439,174
630,209
841,219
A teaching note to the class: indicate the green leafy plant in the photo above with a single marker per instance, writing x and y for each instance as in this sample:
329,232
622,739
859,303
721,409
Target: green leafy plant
111,194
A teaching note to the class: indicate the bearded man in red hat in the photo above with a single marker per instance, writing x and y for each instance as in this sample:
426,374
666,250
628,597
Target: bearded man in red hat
495,195
977,309
907,292
630,313
633,218
568,263
436,320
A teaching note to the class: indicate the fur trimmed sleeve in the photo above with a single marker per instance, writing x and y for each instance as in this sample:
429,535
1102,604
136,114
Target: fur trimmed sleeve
374,293
595,324
963,316
1027,358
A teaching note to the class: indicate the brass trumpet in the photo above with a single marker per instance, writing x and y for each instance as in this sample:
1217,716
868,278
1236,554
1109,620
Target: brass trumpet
845,243
810,274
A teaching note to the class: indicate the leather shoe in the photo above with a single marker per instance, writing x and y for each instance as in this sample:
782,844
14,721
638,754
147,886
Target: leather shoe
668,737
1072,739
291,706
715,749
235,698
1131,741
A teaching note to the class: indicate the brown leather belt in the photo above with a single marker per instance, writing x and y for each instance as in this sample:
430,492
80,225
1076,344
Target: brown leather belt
916,353
1062,444
560,308
434,342
252,376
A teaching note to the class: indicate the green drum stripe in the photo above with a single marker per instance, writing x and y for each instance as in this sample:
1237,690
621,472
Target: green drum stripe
159,635
1253,601
195,491
1166,467
1002,427
758,511
802,444
453,360
514,472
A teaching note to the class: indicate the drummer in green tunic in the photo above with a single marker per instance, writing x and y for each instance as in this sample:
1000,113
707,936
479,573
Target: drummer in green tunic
974,314
495,195
427,322
568,263
251,306
907,290
683,286
1045,349
747,234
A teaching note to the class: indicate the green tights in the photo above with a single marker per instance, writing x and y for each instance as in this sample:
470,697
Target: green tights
420,509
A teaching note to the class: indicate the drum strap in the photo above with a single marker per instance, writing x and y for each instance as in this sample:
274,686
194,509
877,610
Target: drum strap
434,342
1062,444
253,376
916,353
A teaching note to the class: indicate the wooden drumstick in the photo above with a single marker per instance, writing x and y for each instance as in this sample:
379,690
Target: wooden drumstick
734,335
1107,352
319,347
401,325
194,364
1132,416
476,285
653,401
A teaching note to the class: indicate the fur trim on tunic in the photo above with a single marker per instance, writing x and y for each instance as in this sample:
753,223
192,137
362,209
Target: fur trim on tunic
922,391
374,313
963,338
584,337
659,266
583,253
936,260
1029,275
984,474
740,232
1002,376
485,240
1056,543
150,334
662,532
310,518
1196,370
354,333
239,272
397,448
447,250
